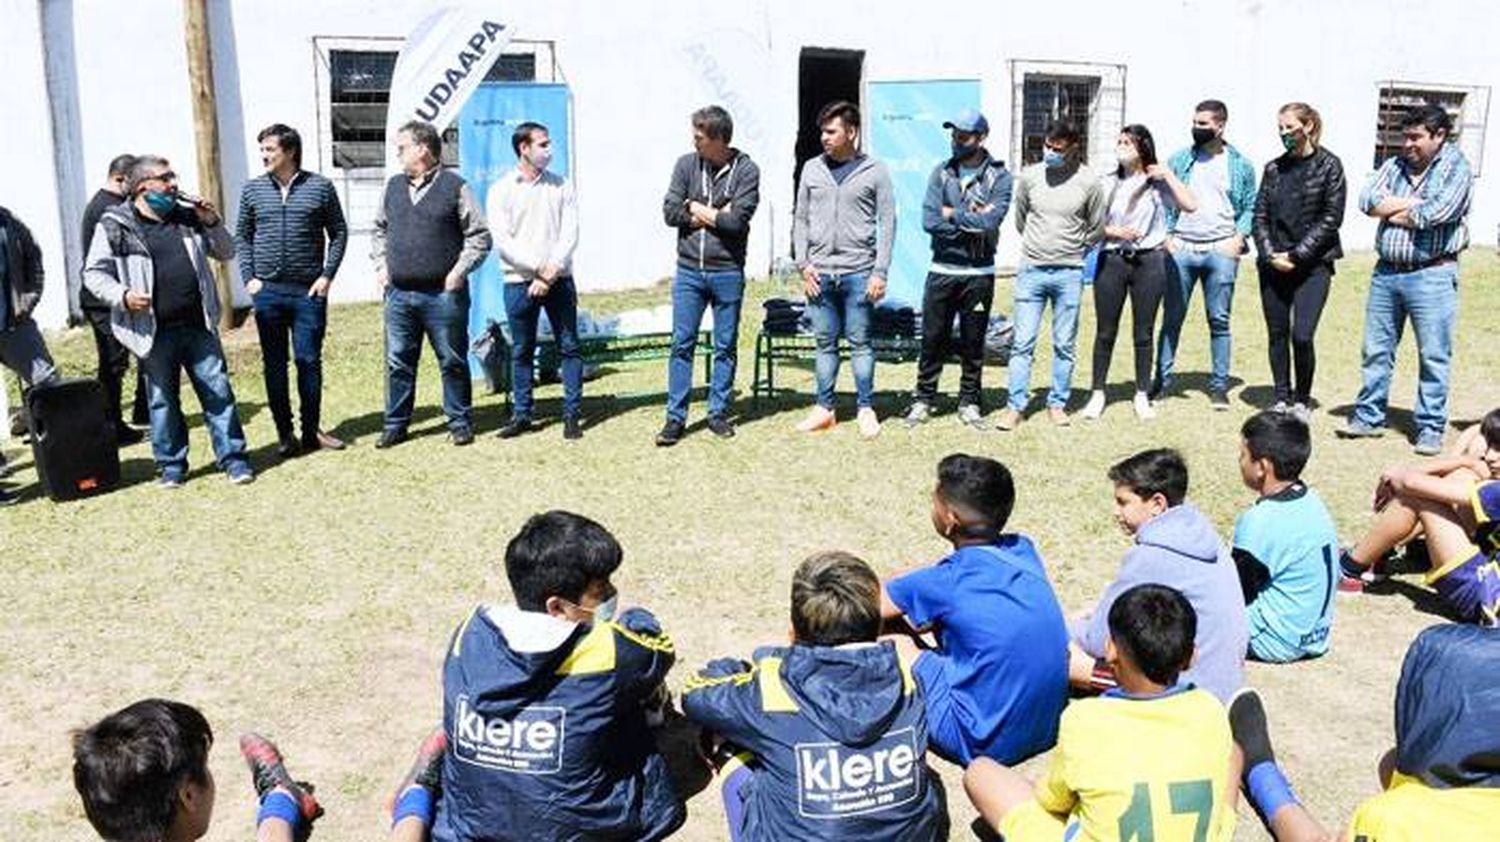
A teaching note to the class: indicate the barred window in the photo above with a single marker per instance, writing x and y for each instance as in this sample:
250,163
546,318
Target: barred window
1468,106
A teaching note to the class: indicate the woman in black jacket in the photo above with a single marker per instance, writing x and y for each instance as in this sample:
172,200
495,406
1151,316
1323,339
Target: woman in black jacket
1297,216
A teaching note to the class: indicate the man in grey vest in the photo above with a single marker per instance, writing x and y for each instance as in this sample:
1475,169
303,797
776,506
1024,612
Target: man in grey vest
430,233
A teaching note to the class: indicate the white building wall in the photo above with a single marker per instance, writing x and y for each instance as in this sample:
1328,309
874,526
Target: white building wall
637,70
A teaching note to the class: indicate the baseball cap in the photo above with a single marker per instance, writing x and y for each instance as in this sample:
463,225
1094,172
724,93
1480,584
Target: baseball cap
969,120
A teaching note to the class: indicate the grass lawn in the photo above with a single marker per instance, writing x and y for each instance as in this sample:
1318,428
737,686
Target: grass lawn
316,603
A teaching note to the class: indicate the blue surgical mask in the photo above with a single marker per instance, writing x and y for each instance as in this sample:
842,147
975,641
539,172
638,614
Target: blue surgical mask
159,202
605,611
1053,159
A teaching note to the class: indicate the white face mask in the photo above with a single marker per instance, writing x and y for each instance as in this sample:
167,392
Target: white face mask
540,157
605,611
1126,155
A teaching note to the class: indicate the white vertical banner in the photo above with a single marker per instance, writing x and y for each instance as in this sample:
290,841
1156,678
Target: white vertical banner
445,57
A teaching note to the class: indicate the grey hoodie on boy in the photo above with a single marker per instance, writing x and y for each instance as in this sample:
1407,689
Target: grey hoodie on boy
1180,549
844,227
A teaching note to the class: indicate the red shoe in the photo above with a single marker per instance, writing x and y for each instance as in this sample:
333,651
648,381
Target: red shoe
268,772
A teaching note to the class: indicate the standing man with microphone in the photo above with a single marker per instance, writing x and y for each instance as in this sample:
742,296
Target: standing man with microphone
149,261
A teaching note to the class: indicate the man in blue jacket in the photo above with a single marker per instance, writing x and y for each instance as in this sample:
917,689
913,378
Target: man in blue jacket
967,197
286,218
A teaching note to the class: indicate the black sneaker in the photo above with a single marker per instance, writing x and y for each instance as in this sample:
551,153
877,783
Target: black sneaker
426,770
1219,400
126,435
287,447
8,497
671,433
572,429
720,426
390,438
461,437
1247,722
514,427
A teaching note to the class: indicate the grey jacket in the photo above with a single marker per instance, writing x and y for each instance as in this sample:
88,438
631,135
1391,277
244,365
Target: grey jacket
23,276
118,261
841,228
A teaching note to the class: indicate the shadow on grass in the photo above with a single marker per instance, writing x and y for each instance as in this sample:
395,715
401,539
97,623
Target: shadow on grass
1395,419
1423,600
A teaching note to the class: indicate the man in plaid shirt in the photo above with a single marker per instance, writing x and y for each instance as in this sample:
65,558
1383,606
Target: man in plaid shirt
1421,198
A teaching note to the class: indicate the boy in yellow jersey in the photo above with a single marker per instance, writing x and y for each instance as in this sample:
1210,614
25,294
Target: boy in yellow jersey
1150,759
1443,778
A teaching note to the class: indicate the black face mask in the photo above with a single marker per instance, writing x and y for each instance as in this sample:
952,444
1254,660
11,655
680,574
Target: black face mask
1202,136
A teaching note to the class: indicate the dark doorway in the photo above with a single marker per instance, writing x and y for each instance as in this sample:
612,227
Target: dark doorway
823,76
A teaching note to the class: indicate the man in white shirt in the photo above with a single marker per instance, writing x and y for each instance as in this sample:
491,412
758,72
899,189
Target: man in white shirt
533,214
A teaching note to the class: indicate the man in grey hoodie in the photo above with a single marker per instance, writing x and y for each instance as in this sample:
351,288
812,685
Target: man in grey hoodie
842,231
1176,546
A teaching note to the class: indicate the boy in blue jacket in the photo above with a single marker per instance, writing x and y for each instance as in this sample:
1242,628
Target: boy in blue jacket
997,680
544,707
824,739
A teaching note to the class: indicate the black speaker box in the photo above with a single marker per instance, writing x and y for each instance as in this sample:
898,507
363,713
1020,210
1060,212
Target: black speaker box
73,439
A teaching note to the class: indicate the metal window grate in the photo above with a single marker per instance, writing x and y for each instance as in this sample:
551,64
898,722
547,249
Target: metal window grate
1047,98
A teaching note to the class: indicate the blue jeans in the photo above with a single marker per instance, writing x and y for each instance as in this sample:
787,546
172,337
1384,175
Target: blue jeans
286,312
1035,286
1430,298
693,291
523,312
842,308
1217,271
191,347
443,317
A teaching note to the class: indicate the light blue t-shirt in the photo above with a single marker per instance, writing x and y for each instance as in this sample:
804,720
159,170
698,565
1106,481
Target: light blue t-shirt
1003,648
1293,536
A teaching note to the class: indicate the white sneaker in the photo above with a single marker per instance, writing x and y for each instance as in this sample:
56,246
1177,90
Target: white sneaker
818,419
1095,407
918,414
969,416
1301,412
1143,408
869,423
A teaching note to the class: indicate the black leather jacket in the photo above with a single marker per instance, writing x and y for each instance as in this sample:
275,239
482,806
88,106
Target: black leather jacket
1315,232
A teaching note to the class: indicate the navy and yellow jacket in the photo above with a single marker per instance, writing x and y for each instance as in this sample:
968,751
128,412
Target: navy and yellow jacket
547,737
839,736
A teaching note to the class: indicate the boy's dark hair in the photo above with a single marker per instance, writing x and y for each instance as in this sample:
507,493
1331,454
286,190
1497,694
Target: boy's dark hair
558,554
120,165
286,137
981,486
1489,427
1065,131
835,600
129,767
714,122
844,110
1215,107
522,135
1154,626
1433,118
1280,437
1160,471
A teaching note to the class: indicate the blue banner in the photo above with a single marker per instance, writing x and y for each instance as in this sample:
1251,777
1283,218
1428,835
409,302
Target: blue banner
484,129
906,132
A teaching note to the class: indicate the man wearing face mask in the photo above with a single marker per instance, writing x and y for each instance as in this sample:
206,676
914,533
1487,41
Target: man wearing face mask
84,306
967,197
1060,207
533,216
1421,198
149,260
1206,244
291,239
